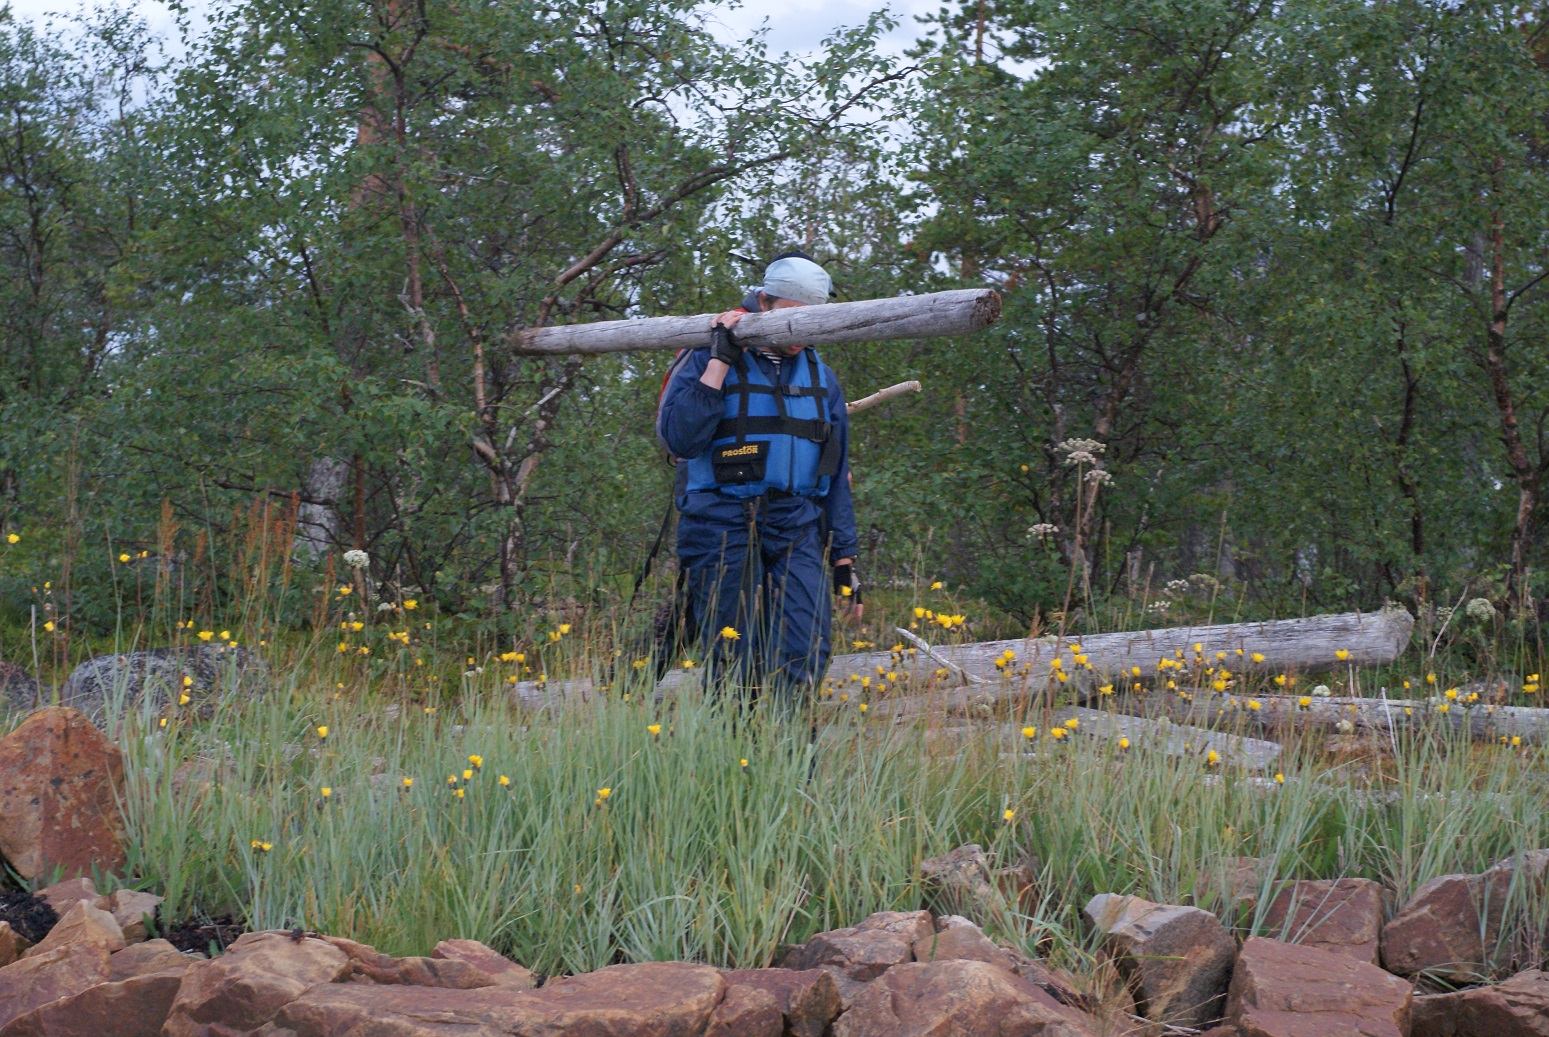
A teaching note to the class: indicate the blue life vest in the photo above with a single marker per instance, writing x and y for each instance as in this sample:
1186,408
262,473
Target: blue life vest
772,436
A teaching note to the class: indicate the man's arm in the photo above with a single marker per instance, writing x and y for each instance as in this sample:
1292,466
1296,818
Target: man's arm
691,408
839,505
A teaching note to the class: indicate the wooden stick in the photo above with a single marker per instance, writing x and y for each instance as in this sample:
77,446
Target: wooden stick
935,315
882,396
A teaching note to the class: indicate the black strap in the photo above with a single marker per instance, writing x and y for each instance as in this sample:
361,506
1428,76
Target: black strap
650,558
801,428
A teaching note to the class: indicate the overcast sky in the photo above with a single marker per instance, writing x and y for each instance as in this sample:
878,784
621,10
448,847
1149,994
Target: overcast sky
797,26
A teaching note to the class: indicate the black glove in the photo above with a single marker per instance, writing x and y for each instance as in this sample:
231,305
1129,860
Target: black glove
847,585
723,346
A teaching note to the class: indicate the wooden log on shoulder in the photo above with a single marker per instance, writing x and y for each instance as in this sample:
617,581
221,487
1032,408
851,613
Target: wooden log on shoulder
935,315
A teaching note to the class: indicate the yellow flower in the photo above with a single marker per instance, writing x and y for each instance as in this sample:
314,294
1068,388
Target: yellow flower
863,707
48,625
1134,671
1280,680
1106,689
225,635
1212,758
205,635
1029,732
1279,778
505,782
521,657
1516,740
1305,701
1253,703
1072,723
1444,706
1008,814
461,793
730,634
688,664
322,731
451,779
1124,743
743,764
919,613
408,783
326,791
344,590
654,729
12,538
1452,694
1342,654
1219,685
183,699
261,846
1257,657
1055,664
1058,733
163,722
123,558
604,793
364,650
1198,647
477,761
410,604
467,774
936,586
1430,678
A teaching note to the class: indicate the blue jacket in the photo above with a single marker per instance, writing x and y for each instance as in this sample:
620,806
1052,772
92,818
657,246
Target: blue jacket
690,412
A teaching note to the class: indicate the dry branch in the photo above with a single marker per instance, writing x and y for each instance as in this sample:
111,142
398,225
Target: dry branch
882,396
935,315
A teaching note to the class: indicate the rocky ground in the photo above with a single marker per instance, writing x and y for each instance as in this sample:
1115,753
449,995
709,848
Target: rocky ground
74,963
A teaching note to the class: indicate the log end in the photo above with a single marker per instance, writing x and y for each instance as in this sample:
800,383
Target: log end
986,309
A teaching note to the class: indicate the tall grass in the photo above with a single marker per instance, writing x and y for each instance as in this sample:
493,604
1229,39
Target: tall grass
692,854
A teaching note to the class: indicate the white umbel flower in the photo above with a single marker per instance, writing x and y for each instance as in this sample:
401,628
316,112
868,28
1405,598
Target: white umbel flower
357,559
1480,609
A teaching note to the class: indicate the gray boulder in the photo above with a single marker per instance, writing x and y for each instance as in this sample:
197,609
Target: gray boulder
19,689
154,678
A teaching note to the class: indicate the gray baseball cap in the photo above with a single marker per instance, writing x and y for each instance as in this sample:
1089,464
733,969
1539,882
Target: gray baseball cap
798,279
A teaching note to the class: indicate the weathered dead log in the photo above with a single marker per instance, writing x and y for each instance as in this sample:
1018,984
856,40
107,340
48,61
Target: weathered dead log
1309,645
892,392
1482,722
936,315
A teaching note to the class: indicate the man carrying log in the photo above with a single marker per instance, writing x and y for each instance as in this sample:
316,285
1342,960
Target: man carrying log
767,522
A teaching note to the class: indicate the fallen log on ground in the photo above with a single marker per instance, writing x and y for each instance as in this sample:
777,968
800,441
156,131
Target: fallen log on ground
1482,722
935,315
1309,645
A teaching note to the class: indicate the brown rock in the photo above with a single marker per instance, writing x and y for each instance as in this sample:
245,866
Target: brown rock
1176,960
367,1010
257,976
148,958
130,908
61,896
62,972
1439,930
59,779
1285,990
861,953
135,1007
964,882
745,1012
369,965
652,998
12,944
808,999
1518,1007
926,999
1342,916
1451,927
501,970
964,943
82,924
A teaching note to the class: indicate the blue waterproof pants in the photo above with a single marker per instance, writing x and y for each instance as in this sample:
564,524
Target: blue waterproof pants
758,567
